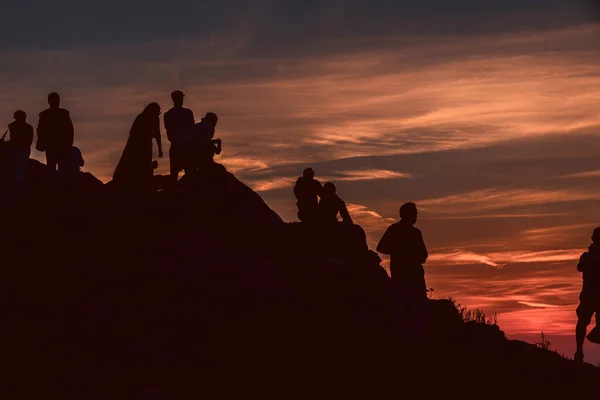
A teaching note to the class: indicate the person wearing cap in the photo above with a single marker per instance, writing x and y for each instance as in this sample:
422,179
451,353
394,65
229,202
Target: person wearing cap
177,121
589,298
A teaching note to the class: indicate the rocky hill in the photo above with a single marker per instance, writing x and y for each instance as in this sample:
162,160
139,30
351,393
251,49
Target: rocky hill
201,289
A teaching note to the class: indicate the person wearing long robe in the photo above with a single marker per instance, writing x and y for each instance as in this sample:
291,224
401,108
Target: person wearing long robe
135,169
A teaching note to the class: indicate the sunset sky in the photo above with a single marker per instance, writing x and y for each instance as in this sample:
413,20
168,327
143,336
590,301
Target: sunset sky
484,113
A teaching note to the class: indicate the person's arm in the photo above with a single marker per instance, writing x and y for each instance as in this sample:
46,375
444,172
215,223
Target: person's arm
167,122
582,264
80,156
319,188
386,242
41,128
422,249
29,135
69,129
158,138
344,212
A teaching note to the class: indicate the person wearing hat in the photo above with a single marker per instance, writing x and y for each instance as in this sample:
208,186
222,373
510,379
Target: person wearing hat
589,298
178,120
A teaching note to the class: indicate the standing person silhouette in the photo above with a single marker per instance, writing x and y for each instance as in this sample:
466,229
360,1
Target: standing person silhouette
21,138
135,169
177,121
589,298
55,133
307,191
404,243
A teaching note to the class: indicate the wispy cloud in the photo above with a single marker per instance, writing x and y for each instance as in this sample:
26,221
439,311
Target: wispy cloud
500,259
493,199
587,174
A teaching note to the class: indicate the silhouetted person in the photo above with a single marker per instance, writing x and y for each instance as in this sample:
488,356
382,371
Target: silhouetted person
589,298
178,120
331,205
405,244
201,139
135,169
307,191
55,133
75,162
19,146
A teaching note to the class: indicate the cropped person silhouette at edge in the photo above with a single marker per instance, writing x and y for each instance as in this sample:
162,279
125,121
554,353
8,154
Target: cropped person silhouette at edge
55,133
135,169
19,146
177,121
307,191
330,205
404,243
589,298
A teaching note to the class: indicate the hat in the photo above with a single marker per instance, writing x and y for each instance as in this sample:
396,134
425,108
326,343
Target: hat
177,93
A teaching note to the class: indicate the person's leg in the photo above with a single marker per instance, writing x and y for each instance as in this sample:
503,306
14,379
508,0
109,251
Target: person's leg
51,159
584,318
21,162
175,162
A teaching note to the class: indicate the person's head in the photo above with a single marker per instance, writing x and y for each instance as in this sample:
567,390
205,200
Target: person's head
408,213
20,116
329,189
596,236
211,118
177,97
308,173
152,109
54,100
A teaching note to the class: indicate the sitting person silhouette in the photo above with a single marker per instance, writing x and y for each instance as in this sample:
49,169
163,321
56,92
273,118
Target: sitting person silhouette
19,146
207,146
589,298
404,243
135,170
330,205
307,191
200,140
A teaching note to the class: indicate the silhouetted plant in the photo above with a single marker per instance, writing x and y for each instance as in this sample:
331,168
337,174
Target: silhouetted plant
476,316
544,343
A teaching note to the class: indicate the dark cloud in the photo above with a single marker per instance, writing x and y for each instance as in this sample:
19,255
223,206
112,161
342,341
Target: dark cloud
270,26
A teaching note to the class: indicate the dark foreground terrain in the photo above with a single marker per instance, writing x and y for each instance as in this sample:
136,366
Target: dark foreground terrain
202,291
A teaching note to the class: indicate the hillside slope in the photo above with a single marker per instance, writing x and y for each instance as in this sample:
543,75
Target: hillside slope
203,288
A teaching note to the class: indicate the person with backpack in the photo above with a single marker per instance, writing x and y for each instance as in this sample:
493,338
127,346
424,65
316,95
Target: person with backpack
19,147
55,133
589,298
177,121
